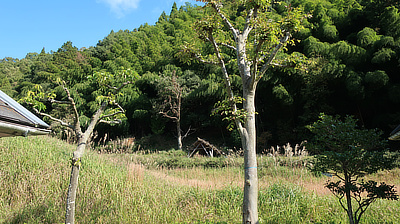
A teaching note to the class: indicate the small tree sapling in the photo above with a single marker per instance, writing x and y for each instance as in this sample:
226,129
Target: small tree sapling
348,154
107,110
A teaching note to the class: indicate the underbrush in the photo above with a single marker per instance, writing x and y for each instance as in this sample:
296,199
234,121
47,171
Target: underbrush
117,189
172,159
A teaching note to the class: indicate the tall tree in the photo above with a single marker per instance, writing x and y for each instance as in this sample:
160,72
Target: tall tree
108,111
256,34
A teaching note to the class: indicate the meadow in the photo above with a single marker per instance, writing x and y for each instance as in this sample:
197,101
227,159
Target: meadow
165,187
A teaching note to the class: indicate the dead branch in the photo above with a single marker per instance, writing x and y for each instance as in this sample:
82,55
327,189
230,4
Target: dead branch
165,114
188,132
62,123
116,121
58,101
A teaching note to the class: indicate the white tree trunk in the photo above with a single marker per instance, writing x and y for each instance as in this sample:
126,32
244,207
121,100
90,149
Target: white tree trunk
71,195
179,133
73,186
247,128
250,199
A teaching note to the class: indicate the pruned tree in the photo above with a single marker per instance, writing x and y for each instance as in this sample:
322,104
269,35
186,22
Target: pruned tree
255,35
349,154
171,92
108,111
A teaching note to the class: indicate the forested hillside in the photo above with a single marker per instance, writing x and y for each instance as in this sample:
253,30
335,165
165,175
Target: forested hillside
354,47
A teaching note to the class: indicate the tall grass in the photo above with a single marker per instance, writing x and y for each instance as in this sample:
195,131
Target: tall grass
159,188
33,179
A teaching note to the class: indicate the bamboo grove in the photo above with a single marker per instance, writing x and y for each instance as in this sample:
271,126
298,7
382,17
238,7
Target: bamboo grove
354,47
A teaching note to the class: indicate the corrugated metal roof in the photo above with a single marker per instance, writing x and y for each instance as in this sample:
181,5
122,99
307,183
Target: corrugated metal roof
395,135
15,111
7,112
17,120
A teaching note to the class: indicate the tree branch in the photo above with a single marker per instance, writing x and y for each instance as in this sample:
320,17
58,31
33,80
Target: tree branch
121,110
165,114
228,46
111,115
341,203
198,57
117,89
225,20
271,57
247,27
83,138
65,124
226,80
59,101
221,44
116,121
361,209
187,132
77,126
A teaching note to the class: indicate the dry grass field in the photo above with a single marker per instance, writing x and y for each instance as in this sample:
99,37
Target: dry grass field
164,187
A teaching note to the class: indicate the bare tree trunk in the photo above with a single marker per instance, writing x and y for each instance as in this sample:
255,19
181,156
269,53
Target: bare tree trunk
73,185
250,198
80,150
179,133
348,199
71,195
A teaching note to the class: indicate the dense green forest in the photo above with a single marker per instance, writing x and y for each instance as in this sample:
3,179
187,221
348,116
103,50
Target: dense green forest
354,47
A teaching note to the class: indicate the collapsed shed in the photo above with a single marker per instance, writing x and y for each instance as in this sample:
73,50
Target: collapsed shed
204,148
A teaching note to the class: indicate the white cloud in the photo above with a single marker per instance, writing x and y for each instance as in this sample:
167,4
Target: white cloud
121,7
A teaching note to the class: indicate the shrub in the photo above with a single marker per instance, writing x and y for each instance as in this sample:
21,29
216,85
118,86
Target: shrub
349,154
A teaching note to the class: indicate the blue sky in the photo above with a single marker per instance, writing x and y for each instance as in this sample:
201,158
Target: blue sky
29,25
